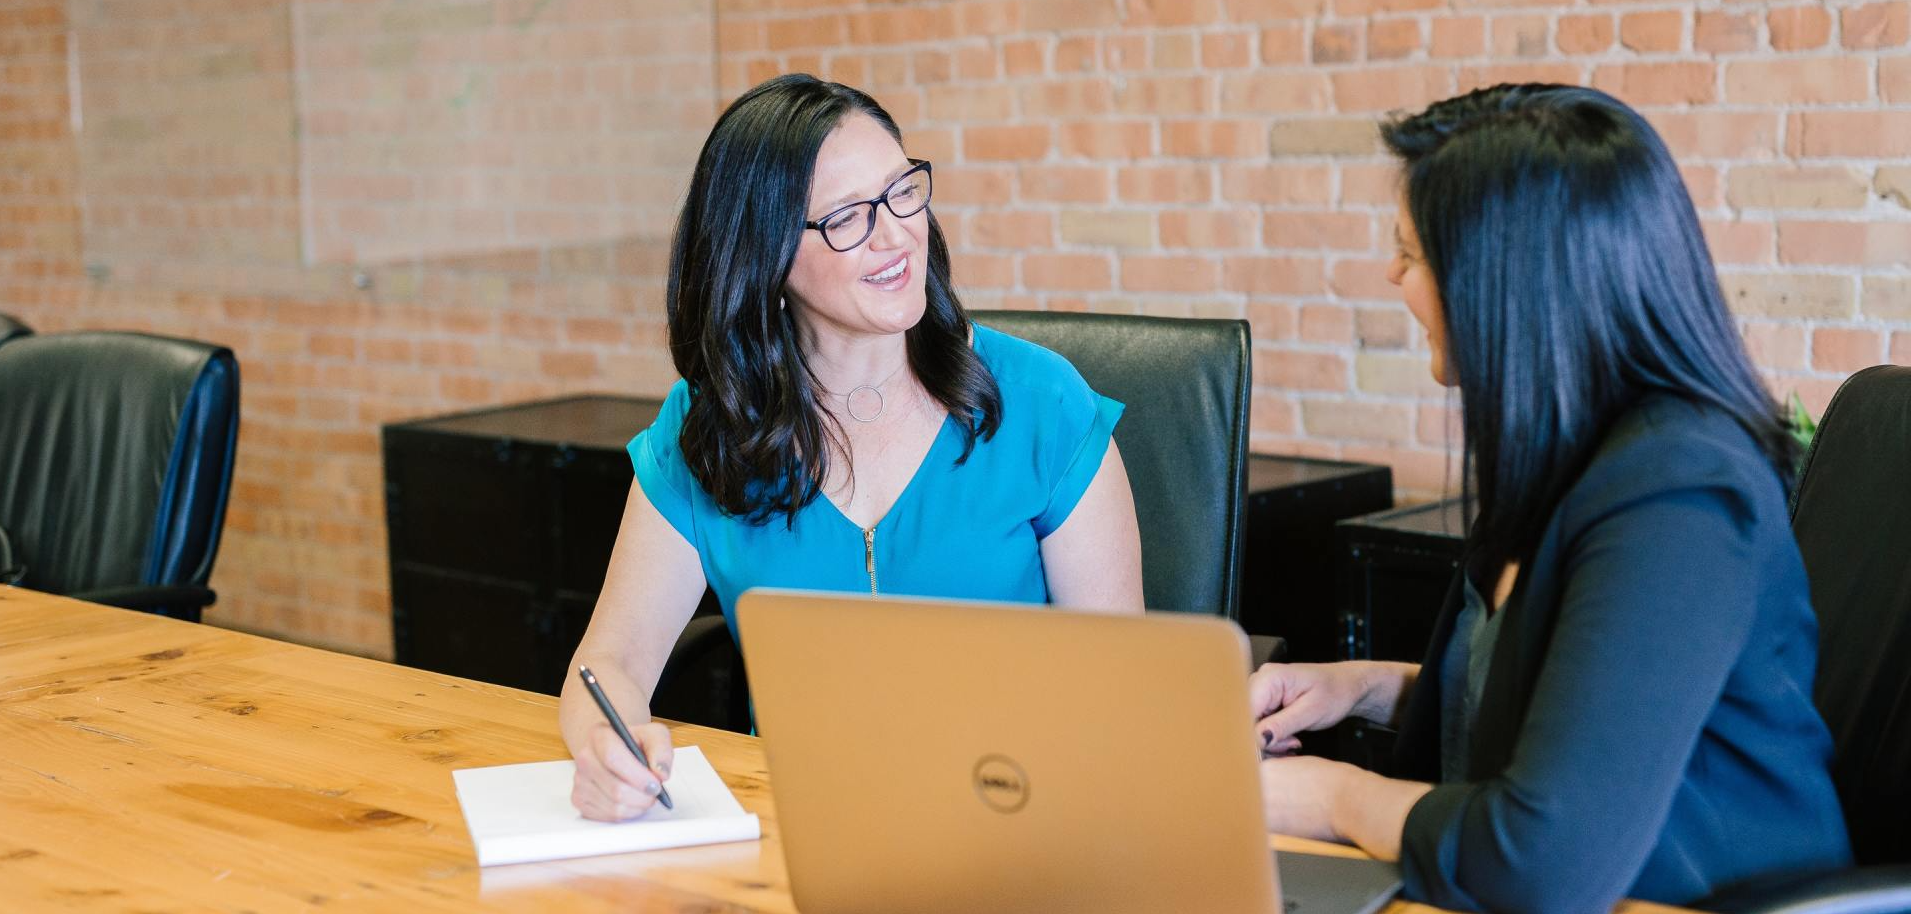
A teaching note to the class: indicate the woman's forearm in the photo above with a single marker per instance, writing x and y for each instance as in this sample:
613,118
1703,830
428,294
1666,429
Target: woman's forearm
577,712
1387,685
1371,811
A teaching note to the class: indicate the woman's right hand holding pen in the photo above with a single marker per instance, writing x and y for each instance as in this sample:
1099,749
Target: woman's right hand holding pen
611,785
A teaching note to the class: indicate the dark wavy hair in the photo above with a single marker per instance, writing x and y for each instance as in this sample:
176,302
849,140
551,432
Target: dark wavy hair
756,436
1575,280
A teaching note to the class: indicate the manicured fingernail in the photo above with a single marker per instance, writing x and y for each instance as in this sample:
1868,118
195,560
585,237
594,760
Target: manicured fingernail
663,769
1267,738
653,788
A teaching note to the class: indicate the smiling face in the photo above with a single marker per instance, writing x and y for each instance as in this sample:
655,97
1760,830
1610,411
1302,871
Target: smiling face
1408,269
875,288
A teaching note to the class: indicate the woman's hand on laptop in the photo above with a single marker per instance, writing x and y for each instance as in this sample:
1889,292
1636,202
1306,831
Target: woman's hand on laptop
611,785
1291,698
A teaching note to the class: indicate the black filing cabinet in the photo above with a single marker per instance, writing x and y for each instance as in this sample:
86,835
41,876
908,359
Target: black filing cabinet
1394,570
1287,570
501,523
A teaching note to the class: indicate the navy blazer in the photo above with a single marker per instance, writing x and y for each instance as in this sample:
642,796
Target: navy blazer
1647,728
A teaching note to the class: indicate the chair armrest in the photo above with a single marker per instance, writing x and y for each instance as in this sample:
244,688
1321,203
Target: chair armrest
704,635
179,601
1265,649
1858,890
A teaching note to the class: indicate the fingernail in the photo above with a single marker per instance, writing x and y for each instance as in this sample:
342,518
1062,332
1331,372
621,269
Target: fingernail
663,769
1267,738
653,788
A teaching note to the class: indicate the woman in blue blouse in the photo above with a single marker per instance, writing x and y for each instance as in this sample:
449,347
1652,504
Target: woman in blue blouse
841,424
1617,699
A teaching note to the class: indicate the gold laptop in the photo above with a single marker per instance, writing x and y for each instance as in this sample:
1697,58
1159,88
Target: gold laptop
943,756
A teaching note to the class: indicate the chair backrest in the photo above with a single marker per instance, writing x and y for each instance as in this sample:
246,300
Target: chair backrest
1183,438
1852,517
115,457
11,328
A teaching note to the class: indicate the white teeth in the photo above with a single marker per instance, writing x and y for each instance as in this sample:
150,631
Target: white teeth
889,274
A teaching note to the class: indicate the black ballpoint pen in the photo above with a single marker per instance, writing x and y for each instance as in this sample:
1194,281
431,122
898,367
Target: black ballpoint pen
617,724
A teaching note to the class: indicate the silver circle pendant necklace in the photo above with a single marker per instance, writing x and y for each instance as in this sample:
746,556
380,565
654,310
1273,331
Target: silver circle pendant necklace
857,397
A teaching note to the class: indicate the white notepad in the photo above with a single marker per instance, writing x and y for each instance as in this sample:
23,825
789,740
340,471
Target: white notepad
523,813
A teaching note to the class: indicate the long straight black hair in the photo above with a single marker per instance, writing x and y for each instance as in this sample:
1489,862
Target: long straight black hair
1574,280
756,436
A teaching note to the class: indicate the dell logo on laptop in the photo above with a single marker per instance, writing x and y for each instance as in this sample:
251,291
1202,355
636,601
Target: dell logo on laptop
1001,783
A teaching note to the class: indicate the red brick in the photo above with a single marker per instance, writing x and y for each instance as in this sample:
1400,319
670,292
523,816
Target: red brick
1719,134
1300,369
1283,44
1846,350
1389,88
1165,95
1023,229
1458,36
1260,10
1024,57
1208,139
1363,279
1272,275
1870,243
1876,25
1286,185
1170,13
1275,92
1393,39
1685,83
1804,81
1172,51
973,269
1005,144
1327,324
1352,421
1076,53
1799,28
1333,231
806,32
1740,242
1336,44
1470,78
1227,50
1720,32
1166,183
1850,134
1519,36
1210,229
1901,347
1102,139
1154,273
1588,34
1054,99
1776,345
1655,32
1076,272
1064,183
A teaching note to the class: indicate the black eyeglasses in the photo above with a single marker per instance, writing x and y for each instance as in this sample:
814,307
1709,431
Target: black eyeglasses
851,225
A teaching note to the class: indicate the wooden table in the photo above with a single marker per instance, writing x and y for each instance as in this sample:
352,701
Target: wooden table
152,765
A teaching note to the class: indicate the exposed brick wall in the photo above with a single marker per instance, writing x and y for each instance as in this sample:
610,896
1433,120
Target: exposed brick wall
1206,157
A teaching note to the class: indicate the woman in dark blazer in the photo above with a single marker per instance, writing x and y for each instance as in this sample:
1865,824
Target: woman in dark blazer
1617,699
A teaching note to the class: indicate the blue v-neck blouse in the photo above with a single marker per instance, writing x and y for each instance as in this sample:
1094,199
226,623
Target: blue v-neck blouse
971,531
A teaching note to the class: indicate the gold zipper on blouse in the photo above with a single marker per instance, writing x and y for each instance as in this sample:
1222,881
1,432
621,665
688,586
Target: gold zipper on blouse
869,556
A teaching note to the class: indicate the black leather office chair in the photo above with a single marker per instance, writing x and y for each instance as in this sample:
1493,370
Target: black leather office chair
1183,438
11,328
116,456
1852,516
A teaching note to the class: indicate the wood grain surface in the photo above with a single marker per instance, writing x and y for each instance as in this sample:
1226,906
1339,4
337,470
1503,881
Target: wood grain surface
151,765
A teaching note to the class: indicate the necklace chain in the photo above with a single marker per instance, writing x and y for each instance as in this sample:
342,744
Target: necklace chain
876,388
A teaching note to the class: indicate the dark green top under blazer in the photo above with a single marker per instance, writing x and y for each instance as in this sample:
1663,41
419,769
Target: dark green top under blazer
1647,728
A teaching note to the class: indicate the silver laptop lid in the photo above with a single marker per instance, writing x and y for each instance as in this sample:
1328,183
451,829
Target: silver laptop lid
941,756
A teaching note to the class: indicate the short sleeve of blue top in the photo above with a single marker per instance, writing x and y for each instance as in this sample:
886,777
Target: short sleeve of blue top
971,530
